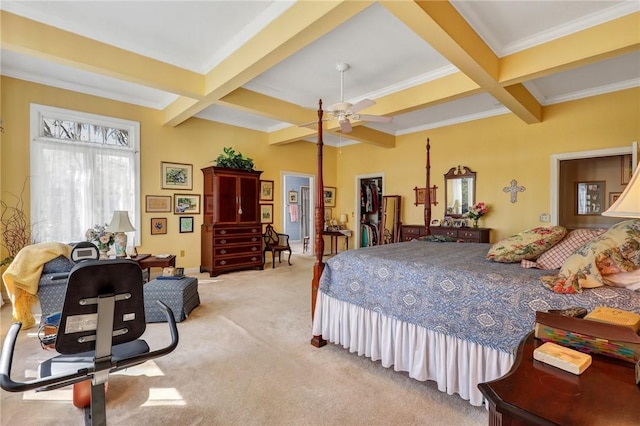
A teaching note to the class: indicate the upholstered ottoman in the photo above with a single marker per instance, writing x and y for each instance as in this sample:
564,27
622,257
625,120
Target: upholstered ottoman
181,295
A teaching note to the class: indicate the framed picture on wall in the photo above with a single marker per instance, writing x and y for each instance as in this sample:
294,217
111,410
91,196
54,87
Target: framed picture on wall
186,204
266,213
625,167
186,224
329,196
158,225
590,197
293,197
613,197
266,190
176,176
157,203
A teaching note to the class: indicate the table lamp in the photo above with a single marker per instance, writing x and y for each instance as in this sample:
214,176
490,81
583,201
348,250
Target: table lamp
343,219
628,204
119,225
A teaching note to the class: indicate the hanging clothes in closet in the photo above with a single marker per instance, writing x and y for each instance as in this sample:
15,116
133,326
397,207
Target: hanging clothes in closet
370,206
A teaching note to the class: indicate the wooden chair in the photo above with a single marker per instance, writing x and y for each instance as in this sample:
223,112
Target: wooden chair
275,243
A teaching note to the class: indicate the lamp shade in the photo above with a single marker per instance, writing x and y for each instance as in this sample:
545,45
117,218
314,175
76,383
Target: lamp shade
343,218
120,222
628,204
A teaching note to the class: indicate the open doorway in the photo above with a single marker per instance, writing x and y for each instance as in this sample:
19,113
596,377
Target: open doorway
368,207
559,163
297,211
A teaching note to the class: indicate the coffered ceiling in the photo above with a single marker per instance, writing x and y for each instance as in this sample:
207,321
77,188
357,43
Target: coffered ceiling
265,64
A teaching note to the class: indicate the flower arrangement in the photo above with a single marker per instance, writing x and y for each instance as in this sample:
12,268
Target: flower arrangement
99,236
476,212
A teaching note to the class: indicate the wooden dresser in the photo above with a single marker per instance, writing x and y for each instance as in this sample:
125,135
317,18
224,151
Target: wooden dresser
412,232
231,237
468,235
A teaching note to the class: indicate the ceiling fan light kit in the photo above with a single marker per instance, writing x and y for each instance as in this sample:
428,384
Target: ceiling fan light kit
342,110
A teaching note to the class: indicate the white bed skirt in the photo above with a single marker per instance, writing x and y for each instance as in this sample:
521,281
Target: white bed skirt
456,365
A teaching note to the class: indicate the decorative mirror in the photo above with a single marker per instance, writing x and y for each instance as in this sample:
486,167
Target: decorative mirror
390,222
460,191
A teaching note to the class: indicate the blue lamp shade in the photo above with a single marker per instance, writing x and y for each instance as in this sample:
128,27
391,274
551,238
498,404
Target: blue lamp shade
120,224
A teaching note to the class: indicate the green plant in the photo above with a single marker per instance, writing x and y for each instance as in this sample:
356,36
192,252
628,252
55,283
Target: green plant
230,159
16,230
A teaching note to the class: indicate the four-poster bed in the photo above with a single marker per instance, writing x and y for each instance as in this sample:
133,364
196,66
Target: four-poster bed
437,310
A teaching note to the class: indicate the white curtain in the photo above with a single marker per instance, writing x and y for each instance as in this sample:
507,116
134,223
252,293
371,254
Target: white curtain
76,185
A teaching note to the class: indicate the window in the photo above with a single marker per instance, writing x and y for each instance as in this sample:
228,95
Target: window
83,167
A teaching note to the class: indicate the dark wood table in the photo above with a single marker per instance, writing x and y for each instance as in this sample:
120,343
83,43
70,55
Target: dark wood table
148,261
535,393
334,235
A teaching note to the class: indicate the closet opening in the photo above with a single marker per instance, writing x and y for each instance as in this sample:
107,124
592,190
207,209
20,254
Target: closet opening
368,209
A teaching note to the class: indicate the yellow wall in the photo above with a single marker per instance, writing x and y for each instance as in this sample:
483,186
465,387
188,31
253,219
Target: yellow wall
499,149
196,142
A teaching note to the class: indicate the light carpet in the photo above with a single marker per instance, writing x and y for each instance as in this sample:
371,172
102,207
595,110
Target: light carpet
244,358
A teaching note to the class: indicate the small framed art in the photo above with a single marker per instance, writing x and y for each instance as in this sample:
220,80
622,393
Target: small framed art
186,224
266,213
625,167
613,197
329,196
158,225
293,197
435,222
186,203
590,197
266,190
328,213
157,204
176,176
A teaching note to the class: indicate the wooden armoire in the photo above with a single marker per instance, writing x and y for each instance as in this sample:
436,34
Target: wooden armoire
231,237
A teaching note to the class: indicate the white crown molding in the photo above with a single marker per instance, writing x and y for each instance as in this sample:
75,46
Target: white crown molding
594,91
462,119
88,90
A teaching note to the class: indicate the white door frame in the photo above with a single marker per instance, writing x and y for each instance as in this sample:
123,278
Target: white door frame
312,204
555,169
356,204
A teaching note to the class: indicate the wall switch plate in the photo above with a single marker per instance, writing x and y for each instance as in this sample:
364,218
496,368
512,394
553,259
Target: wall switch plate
545,217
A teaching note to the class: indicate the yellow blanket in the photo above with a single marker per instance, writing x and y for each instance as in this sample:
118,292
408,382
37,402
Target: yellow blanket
22,276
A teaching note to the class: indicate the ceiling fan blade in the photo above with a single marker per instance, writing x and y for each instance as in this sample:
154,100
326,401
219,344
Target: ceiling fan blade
345,125
365,103
376,118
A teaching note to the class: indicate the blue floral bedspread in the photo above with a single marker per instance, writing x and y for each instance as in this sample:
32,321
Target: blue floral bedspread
452,289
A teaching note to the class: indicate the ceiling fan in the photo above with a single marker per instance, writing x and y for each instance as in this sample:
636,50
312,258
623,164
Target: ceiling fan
343,111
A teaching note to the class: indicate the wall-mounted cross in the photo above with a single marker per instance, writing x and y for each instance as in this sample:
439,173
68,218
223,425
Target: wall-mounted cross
514,189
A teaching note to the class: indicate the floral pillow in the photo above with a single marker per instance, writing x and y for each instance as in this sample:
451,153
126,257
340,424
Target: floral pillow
615,251
526,245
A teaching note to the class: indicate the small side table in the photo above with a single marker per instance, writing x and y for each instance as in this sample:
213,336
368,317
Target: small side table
150,261
535,393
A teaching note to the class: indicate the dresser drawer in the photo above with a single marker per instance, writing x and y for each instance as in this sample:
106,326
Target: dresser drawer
233,250
239,230
451,232
236,239
232,262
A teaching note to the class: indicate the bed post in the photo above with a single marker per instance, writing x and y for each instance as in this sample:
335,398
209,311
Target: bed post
318,266
427,195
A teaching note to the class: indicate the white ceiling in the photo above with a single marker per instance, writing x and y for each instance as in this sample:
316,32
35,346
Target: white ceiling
385,55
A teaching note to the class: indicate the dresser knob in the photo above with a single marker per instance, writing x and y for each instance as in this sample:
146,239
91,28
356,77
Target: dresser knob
223,251
223,241
223,262
254,230
254,258
223,231
254,248
254,239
